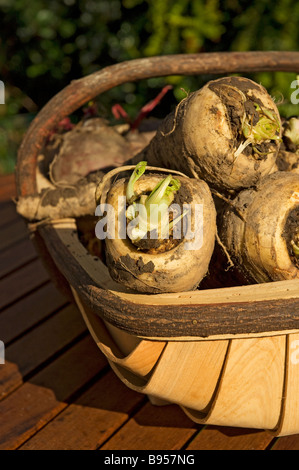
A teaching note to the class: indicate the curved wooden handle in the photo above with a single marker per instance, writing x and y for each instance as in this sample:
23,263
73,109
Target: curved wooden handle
78,92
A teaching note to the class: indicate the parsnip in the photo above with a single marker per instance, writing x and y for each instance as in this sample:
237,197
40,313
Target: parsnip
262,237
227,133
162,264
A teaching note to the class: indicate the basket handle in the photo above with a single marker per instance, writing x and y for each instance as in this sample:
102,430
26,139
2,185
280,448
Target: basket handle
78,92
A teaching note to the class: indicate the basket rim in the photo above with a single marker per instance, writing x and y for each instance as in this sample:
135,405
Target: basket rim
261,309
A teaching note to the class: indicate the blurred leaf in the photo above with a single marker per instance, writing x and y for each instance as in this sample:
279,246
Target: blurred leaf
46,44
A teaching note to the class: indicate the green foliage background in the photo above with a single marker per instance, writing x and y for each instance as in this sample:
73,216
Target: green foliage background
46,44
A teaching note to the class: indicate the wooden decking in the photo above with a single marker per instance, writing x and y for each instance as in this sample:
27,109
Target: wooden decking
57,390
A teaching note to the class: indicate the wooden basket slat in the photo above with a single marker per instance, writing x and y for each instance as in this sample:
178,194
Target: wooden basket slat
240,385
290,416
187,373
251,387
129,352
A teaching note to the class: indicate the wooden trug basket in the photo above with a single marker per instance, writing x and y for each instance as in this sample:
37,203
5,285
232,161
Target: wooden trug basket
226,356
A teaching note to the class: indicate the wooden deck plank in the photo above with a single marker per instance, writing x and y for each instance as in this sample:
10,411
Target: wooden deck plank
16,256
154,428
46,394
38,346
7,179
21,282
13,233
227,438
7,187
286,443
29,311
90,420
8,213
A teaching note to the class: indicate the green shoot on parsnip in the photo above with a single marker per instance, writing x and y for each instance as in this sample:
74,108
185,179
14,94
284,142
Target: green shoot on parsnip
295,249
137,173
152,210
266,129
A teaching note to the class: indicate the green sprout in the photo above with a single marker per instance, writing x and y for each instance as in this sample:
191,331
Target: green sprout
295,249
137,173
152,210
266,129
163,192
